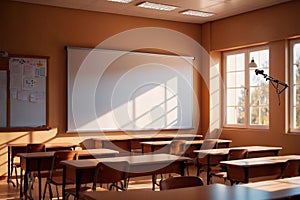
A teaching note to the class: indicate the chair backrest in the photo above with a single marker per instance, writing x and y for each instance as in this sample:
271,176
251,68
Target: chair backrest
235,154
177,147
180,182
38,147
291,169
61,155
111,172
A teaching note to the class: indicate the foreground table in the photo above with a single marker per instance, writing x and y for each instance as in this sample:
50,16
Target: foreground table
279,188
82,171
41,161
244,169
210,192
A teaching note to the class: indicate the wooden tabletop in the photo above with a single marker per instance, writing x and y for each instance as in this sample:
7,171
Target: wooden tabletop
48,145
147,136
158,143
132,160
279,188
88,152
224,151
251,162
210,192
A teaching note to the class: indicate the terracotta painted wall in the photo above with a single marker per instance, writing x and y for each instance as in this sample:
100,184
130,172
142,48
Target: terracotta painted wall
29,29
272,26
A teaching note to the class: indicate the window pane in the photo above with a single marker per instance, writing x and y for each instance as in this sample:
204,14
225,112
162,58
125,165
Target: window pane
235,79
259,115
296,120
259,96
235,62
235,97
261,58
235,115
296,95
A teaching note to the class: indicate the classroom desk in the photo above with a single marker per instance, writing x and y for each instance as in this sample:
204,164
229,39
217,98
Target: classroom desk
40,161
82,171
279,188
130,143
210,157
14,149
244,169
207,192
152,146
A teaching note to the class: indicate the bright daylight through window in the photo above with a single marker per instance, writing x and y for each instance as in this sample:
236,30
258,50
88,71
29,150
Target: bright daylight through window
246,94
295,85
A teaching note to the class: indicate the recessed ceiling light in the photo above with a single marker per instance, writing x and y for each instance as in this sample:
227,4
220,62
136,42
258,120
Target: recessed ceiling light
121,1
197,13
156,6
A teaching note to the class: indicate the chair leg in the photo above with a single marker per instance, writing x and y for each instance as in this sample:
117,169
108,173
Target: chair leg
45,188
57,192
16,174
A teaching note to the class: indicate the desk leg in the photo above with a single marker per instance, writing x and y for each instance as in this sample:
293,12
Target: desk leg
21,183
208,170
40,179
64,183
153,181
182,168
78,183
10,162
26,182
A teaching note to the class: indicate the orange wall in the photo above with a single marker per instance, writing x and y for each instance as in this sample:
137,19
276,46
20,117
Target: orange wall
30,29
272,26
42,30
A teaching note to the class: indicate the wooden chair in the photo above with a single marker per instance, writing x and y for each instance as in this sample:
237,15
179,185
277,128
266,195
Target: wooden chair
30,148
55,176
233,154
201,161
111,173
180,182
114,174
291,169
35,147
177,147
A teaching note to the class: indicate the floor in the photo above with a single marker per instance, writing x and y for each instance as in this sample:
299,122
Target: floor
7,191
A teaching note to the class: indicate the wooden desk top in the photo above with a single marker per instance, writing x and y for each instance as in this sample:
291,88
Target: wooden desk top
146,136
224,151
145,159
278,188
251,162
161,143
48,145
210,192
88,152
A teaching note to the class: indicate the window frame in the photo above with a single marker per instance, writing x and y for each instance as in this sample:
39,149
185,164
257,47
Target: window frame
247,87
292,127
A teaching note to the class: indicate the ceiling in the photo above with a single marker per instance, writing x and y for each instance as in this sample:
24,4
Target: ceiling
221,8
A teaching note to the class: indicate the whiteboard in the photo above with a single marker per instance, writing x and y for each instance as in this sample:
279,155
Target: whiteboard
112,90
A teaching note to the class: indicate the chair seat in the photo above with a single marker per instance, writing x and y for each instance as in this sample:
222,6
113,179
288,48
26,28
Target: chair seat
221,174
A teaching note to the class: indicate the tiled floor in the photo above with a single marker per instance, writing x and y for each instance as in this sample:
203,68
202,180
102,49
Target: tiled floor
7,191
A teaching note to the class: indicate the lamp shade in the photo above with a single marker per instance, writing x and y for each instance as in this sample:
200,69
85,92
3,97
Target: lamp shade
252,64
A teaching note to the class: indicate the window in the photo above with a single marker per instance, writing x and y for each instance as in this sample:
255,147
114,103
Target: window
295,85
246,94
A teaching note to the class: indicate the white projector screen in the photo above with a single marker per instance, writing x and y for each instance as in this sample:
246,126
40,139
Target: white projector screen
110,90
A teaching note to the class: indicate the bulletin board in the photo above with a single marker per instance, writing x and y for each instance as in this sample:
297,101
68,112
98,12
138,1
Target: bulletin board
27,91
